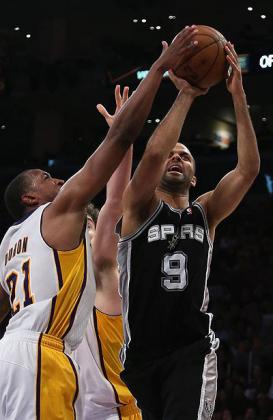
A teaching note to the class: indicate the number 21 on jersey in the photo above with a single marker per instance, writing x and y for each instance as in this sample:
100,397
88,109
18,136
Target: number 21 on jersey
12,281
174,269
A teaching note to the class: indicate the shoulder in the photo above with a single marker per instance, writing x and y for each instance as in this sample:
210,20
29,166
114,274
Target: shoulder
204,199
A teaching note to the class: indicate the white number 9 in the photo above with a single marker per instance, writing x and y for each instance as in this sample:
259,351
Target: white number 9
174,266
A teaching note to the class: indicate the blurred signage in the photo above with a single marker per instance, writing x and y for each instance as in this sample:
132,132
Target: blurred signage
269,183
256,62
250,63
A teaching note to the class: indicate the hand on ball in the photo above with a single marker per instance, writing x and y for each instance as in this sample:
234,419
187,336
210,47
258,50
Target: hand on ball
181,46
234,80
186,87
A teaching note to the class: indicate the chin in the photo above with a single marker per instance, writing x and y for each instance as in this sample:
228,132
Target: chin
174,178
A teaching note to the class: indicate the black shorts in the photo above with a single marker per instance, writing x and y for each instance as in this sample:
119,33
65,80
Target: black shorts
179,386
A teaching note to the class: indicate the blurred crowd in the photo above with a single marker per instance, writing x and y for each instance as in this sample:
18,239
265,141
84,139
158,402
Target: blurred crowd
241,289
241,295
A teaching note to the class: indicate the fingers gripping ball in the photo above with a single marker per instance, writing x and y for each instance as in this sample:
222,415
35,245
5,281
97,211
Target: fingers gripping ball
206,64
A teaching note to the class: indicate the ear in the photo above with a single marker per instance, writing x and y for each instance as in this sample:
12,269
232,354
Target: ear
30,200
193,181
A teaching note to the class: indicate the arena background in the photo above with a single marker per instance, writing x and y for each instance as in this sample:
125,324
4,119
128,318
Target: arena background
59,59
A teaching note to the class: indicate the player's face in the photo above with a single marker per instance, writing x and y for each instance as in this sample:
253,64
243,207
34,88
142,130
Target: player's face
44,187
179,166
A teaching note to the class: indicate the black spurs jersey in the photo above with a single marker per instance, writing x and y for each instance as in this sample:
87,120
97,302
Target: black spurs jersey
164,268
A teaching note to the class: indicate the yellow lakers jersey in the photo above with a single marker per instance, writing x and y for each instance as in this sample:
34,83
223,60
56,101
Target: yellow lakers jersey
50,291
100,366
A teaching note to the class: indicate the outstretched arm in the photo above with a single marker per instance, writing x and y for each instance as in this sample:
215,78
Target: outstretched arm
105,242
63,219
140,199
104,247
231,189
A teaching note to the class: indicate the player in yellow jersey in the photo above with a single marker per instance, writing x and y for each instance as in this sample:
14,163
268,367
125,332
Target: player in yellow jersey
105,396
45,265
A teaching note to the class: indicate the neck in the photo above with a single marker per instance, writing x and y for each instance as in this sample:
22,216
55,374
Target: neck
176,199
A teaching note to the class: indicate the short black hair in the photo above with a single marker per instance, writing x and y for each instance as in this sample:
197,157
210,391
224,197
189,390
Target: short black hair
13,194
93,212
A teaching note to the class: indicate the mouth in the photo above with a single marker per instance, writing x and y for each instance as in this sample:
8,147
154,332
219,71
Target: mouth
175,168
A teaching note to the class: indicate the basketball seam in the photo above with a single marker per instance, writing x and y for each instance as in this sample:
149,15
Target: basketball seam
207,46
202,78
201,49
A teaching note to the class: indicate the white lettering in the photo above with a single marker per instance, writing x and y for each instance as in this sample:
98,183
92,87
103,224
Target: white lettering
187,230
166,230
199,234
154,234
163,232
266,61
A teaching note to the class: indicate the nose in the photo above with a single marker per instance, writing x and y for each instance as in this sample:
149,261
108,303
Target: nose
59,182
176,157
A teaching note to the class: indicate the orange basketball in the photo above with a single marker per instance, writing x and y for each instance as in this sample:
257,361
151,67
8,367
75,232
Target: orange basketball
207,65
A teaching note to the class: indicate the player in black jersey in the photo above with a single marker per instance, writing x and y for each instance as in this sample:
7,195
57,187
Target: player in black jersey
164,258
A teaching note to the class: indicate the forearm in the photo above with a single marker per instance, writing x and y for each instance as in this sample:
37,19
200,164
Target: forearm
119,180
124,130
168,131
247,148
129,121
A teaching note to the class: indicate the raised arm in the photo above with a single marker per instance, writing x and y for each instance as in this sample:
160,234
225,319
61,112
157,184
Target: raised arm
140,193
105,241
231,189
63,219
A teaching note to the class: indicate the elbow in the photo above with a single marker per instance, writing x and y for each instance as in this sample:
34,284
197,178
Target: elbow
251,169
250,174
255,169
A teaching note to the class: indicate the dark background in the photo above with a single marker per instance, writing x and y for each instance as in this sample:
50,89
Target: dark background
50,84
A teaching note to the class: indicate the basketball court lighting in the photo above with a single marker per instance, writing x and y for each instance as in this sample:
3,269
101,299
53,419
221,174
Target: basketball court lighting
149,121
135,20
158,27
250,8
28,36
171,17
3,126
152,28
264,119
143,20
17,28
157,120
263,16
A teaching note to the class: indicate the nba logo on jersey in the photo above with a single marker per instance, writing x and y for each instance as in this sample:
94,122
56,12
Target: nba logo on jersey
189,210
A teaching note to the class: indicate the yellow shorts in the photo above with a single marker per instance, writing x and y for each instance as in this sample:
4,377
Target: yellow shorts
38,380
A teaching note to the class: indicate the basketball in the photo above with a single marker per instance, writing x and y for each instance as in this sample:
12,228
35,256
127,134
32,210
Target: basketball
207,64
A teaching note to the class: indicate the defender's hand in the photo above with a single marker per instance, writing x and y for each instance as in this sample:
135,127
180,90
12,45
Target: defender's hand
181,46
120,101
